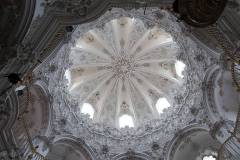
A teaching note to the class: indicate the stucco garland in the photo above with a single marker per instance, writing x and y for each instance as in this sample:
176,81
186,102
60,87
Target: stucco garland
188,110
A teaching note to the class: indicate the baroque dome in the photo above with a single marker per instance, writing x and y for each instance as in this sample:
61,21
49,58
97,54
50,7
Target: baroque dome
116,82
124,69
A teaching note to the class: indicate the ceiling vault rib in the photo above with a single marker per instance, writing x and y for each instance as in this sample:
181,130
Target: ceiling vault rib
97,87
152,86
144,51
119,100
102,42
163,75
87,78
100,103
138,43
90,65
145,96
116,36
92,51
129,101
155,60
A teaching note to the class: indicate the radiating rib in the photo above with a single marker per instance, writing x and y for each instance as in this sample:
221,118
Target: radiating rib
152,46
119,97
162,52
102,42
92,50
139,42
92,65
116,35
161,74
101,101
80,73
152,86
125,31
82,80
145,95
129,100
98,87
155,60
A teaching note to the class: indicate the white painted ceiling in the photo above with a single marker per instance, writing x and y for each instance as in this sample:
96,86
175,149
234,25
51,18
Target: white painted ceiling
123,68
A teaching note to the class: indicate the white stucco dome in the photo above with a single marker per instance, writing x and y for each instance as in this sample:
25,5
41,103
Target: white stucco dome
122,68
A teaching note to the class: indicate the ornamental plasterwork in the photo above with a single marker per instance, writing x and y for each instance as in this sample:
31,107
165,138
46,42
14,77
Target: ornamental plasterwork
114,66
186,103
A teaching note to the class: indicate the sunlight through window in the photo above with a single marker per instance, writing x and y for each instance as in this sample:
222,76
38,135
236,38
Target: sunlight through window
180,66
87,109
161,104
125,120
68,76
209,158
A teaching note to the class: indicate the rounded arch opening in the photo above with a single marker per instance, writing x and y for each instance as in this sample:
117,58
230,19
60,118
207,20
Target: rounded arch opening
162,103
180,67
70,148
88,110
193,142
125,121
209,158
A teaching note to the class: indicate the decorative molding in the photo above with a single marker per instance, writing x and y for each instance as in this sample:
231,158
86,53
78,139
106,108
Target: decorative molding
139,139
181,136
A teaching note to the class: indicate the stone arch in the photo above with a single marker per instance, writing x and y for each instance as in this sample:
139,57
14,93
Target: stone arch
190,143
39,110
75,148
220,96
9,110
131,154
35,107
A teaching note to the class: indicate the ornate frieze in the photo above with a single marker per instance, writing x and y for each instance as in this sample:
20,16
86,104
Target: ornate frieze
157,131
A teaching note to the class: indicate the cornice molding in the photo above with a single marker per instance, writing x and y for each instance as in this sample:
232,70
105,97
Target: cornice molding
189,104
48,31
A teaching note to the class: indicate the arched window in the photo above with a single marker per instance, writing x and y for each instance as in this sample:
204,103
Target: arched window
209,158
87,109
68,76
125,120
161,104
180,66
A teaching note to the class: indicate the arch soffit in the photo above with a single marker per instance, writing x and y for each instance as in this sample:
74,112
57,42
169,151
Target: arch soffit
44,89
187,131
140,156
211,79
77,143
208,92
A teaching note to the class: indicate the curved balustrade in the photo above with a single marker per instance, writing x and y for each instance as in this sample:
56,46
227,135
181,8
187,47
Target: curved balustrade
230,149
224,43
228,49
235,69
26,149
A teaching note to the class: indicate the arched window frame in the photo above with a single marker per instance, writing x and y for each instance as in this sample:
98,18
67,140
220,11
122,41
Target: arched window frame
128,118
88,109
161,104
179,68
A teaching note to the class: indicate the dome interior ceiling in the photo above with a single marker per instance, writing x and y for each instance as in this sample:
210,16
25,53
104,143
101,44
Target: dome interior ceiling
123,68
126,65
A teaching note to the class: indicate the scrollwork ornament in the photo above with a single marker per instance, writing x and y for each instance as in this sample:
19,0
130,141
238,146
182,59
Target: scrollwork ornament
161,130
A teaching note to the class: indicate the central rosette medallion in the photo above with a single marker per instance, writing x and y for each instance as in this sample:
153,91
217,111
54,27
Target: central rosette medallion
123,66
